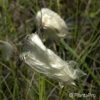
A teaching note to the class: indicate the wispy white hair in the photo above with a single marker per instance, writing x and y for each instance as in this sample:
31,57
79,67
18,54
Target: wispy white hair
45,61
50,21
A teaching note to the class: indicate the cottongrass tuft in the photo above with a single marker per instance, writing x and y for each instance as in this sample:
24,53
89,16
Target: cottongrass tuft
45,61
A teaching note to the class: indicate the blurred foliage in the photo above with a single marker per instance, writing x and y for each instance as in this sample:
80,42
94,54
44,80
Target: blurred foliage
17,19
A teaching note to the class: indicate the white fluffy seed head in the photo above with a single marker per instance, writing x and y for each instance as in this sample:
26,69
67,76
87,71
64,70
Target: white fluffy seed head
45,61
50,21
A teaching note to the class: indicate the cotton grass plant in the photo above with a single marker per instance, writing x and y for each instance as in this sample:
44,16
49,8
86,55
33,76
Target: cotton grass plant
45,61
20,82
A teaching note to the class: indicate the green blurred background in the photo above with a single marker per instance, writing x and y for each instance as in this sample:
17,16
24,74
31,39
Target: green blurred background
19,81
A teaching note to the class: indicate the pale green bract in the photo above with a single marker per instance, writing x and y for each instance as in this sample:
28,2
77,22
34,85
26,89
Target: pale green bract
6,50
45,61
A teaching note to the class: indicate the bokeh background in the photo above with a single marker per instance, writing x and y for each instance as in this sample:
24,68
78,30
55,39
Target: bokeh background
17,19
